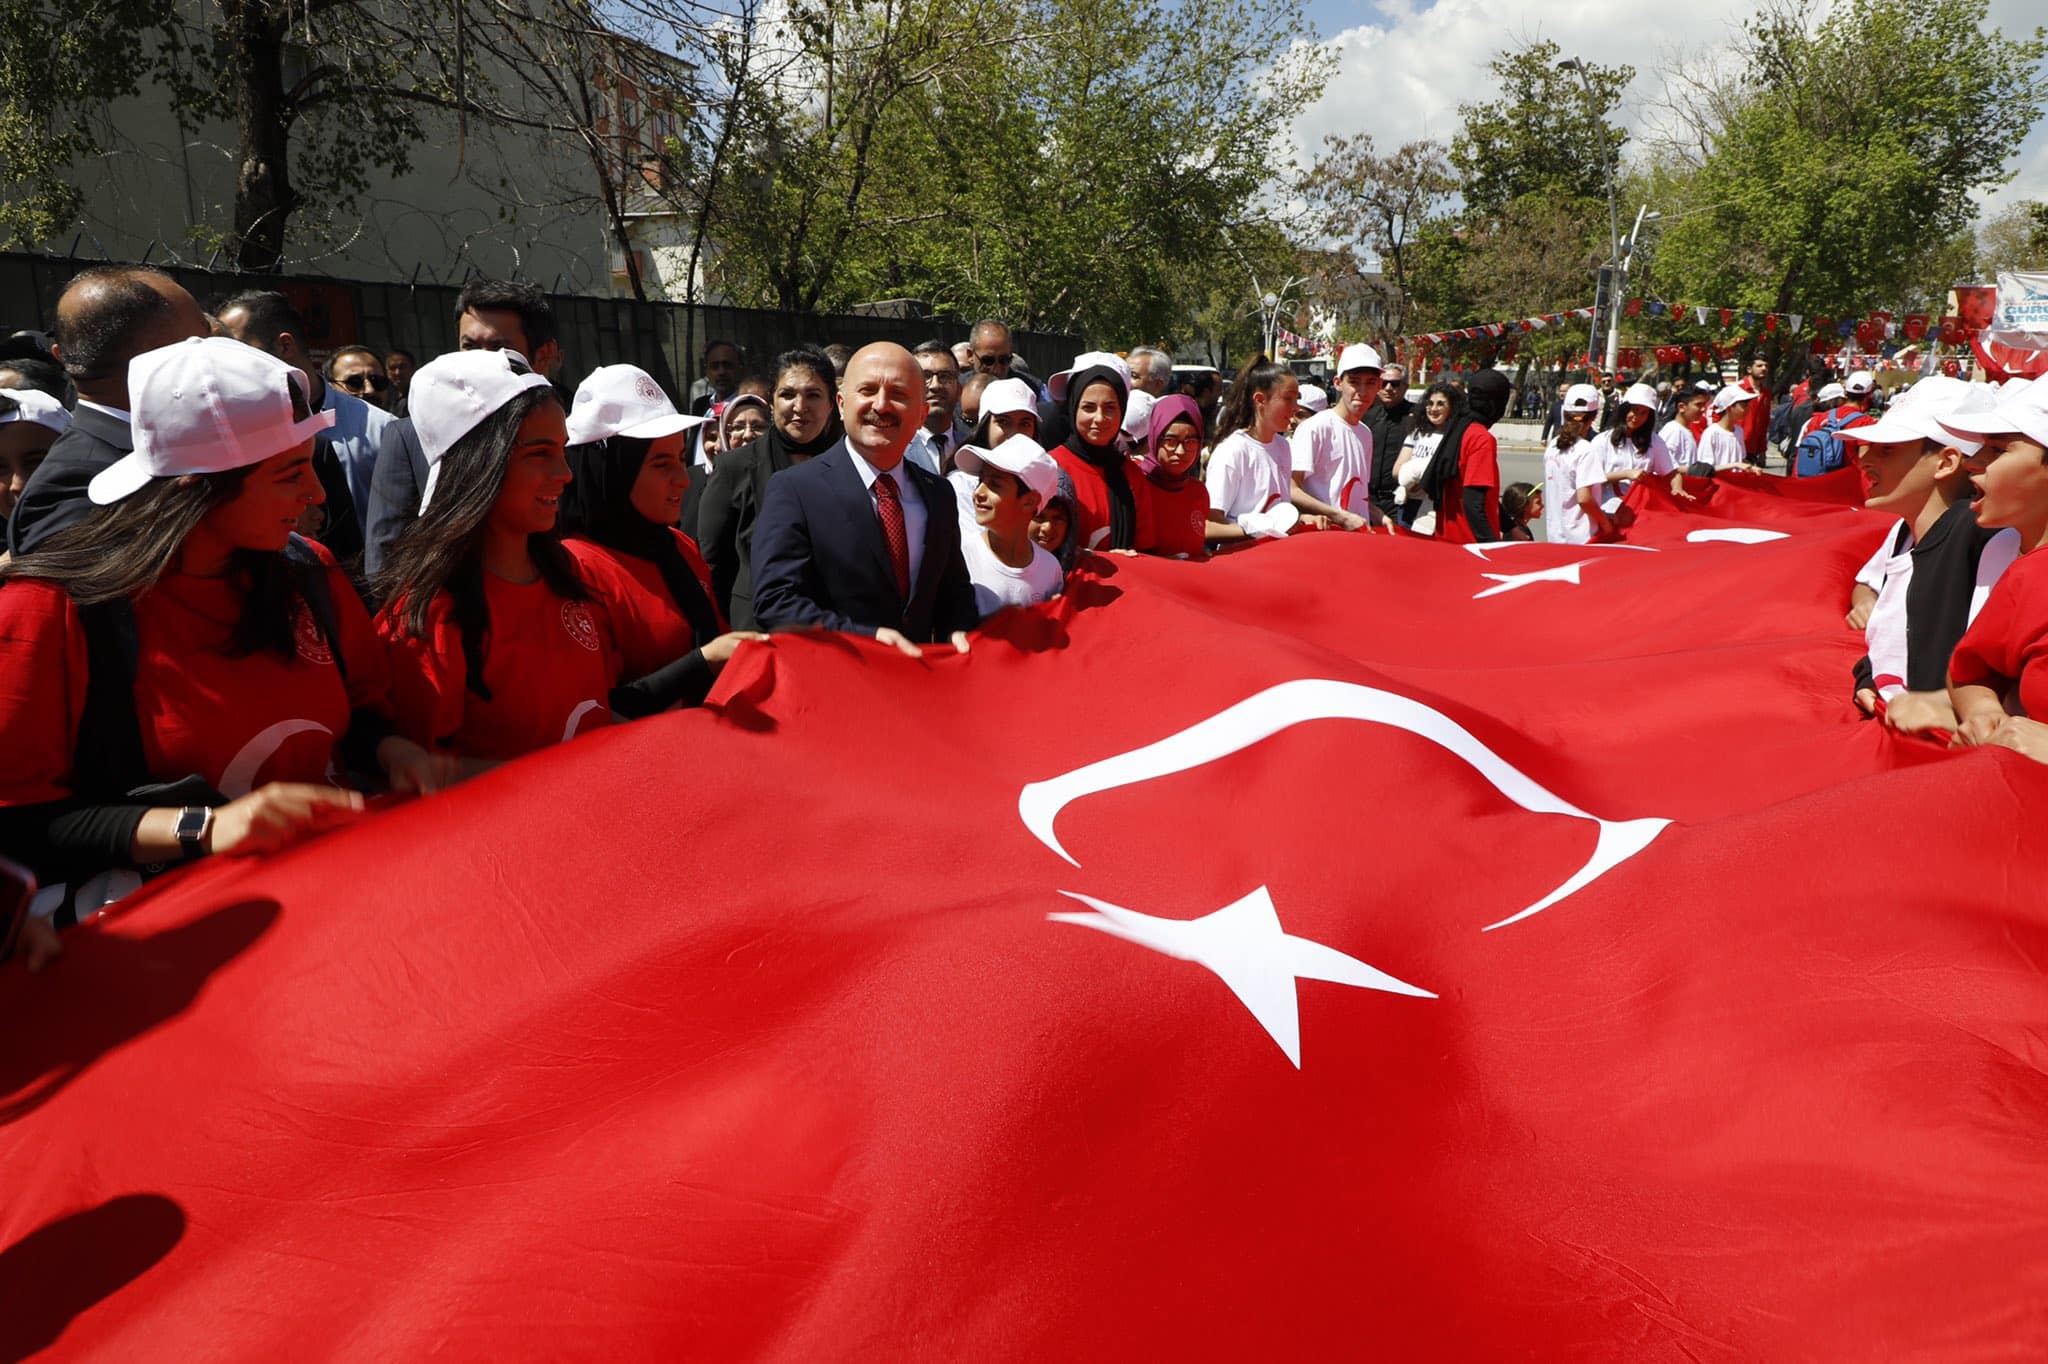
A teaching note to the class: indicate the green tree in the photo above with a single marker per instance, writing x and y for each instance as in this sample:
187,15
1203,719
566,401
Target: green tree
1545,134
1844,142
2015,238
1372,206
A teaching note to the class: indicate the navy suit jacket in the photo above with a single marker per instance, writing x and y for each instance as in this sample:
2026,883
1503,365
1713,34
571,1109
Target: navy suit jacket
395,483
820,559
54,498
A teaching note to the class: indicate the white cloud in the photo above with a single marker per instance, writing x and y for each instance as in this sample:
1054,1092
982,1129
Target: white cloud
1404,78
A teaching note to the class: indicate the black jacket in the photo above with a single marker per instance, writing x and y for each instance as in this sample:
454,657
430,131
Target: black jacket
725,524
1390,424
820,560
1939,594
55,497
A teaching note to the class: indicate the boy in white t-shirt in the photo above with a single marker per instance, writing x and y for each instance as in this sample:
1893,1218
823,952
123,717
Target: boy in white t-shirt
1333,449
1006,566
1721,444
1677,433
1574,474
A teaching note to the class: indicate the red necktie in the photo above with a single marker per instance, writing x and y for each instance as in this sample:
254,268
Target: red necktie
889,506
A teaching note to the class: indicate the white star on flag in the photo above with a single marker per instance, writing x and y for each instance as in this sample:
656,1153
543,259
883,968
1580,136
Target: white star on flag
1508,582
1245,946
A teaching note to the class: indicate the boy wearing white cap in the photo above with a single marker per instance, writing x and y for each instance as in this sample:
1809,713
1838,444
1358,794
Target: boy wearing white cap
30,422
1007,568
1333,449
1818,449
1721,444
1574,475
1938,567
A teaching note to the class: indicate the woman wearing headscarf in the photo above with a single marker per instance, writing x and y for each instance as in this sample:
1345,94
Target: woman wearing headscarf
1176,502
1107,500
805,423
1464,475
629,468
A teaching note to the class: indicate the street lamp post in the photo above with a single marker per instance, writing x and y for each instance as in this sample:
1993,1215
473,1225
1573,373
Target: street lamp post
1613,222
1618,291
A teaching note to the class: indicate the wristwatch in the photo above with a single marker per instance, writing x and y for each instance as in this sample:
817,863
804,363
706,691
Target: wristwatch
195,822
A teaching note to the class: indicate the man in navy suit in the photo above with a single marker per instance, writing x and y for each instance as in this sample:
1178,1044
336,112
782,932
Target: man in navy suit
859,540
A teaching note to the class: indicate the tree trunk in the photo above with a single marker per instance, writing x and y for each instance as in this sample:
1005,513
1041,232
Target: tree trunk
264,197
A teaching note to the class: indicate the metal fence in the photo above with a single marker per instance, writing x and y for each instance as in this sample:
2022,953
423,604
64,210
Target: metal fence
665,339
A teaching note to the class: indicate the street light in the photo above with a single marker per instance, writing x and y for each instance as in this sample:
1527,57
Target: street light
1618,291
1613,223
1269,303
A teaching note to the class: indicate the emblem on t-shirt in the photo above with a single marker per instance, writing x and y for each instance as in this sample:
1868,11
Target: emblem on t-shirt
648,389
582,627
308,640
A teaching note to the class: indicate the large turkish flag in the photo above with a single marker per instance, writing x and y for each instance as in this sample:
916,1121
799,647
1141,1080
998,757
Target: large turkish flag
1359,947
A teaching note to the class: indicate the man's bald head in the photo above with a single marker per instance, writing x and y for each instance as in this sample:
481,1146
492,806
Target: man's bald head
881,402
109,315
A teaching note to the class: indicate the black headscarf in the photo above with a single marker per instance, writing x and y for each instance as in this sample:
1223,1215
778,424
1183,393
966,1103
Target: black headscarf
1108,460
1486,402
598,505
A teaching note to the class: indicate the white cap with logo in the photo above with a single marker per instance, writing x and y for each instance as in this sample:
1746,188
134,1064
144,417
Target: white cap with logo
1580,399
33,405
1056,387
1641,395
1019,455
1923,412
452,394
624,400
1005,396
202,406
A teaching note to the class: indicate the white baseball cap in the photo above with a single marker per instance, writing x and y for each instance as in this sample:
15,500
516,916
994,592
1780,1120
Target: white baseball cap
1019,455
624,400
1922,413
1581,398
1138,415
202,406
1641,395
451,394
2024,412
1862,381
1005,396
1728,397
1830,393
1056,387
1315,399
1358,356
34,405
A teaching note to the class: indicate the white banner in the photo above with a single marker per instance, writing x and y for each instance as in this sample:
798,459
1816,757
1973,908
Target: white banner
2022,303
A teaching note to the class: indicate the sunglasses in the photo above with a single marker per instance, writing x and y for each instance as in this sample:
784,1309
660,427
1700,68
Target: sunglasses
356,383
994,359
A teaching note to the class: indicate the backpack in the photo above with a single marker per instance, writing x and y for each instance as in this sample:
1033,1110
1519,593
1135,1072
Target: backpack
1820,450
109,760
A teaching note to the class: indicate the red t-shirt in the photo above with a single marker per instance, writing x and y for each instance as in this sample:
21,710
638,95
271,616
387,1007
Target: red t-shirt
235,722
1091,493
2008,642
1478,467
551,667
652,630
1813,423
1756,422
1174,522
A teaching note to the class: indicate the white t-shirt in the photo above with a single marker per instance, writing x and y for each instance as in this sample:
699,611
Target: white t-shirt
1245,476
964,485
1617,455
1678,440
1408,483
1334,459
1722,448
1565,472
997,585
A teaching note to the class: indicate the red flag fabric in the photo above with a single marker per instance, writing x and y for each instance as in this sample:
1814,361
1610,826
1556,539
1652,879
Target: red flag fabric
1352,945
1914,326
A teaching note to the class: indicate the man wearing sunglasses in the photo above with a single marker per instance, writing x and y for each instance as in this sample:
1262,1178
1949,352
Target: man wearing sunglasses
1390,420
357,370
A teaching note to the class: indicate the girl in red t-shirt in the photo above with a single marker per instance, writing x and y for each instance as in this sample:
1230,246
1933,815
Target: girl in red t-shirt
1177,504
500,641
178,675
619,513
2003,656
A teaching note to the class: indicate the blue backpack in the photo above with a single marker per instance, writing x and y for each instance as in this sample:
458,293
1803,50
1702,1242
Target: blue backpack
1820,450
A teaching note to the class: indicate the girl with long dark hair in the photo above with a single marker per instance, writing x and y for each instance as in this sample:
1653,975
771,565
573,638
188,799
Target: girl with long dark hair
1575,473
500,641
1108,502
630,470
1632,449
1251,471
179,674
